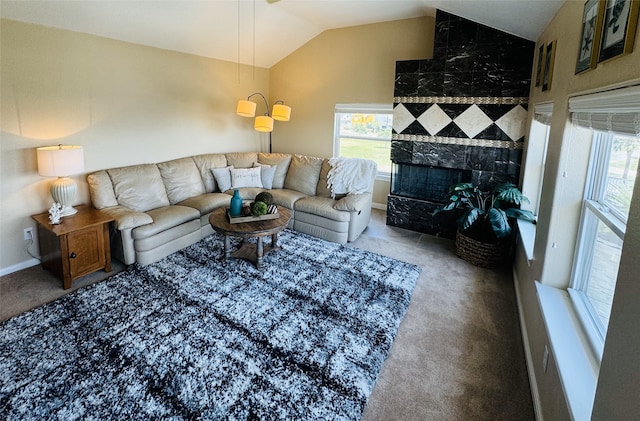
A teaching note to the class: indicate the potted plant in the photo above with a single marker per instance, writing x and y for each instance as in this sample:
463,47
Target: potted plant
484,227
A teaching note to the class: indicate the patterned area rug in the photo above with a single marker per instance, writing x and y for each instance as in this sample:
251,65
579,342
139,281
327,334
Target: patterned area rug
191,337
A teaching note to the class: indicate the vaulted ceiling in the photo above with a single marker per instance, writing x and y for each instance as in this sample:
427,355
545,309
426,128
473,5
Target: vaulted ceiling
261,32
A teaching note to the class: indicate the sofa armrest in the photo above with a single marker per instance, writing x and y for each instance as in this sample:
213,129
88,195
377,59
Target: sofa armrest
353,202
127,218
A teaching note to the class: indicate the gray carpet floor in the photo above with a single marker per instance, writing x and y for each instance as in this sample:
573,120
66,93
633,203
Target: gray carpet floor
458,354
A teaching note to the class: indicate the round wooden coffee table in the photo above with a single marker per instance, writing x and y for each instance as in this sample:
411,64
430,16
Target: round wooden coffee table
260,228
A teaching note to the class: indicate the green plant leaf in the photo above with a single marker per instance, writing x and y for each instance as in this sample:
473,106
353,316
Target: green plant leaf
520,214
499,222
468,218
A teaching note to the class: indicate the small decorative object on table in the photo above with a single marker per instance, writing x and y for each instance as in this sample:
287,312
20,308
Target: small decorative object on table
236,204
260,209
55,213
484,230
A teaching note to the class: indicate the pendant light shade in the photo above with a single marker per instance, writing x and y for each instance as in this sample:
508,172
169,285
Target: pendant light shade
263,123
281,112
246,108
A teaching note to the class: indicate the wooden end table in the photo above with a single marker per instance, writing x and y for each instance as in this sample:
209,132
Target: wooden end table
245,230
79,245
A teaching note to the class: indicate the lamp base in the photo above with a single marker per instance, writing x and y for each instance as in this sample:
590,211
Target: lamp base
64,191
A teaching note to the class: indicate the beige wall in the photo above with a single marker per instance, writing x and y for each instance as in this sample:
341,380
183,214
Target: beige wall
124,103
559,213
348,65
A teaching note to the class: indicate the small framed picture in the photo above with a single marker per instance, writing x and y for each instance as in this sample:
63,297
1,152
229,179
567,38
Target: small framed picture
618,28
590,36
549,58
540,65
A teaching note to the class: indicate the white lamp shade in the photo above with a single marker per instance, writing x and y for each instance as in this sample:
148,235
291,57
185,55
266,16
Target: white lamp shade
281,112
263,123
246,108
60,161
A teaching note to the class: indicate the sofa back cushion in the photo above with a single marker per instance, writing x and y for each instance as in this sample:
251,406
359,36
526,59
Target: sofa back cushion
205,164
101,190
303,174
181,179
322,189
242,159
139,187
281,161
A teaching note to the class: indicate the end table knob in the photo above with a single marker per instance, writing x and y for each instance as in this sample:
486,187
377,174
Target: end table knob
73,255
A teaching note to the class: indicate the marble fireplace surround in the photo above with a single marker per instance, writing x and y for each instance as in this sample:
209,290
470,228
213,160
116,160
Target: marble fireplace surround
465,109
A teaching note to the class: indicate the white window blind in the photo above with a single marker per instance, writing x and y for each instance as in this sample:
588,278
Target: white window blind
542,113
612,111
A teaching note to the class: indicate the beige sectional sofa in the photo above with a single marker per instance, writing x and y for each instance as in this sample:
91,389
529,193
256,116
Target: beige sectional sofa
161,208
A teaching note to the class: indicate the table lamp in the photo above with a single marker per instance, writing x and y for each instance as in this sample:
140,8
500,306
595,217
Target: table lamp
61,161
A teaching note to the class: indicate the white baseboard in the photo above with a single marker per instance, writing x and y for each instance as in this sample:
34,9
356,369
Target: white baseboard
22,265
381,206
533,384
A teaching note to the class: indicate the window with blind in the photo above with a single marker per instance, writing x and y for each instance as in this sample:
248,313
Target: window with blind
613,119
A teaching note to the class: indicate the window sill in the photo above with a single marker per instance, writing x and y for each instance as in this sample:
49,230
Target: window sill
383,177
527,232
577,365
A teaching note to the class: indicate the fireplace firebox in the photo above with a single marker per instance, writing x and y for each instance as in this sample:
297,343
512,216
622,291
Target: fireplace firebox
425,182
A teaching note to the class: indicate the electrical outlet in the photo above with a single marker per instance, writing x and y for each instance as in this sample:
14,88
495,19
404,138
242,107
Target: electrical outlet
545,359
28,234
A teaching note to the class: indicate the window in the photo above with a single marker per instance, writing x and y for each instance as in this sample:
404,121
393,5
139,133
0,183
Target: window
612,174
536,156
364,131
613,120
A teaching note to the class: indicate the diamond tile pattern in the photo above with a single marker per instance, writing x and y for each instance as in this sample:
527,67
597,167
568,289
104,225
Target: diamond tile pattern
491,122
434,119
473,121
402,118
513,123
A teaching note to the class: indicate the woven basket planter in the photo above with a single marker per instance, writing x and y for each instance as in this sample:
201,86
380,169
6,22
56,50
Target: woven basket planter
480,254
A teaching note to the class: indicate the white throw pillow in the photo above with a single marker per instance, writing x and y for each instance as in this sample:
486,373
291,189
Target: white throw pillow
267,174
245,177
223,177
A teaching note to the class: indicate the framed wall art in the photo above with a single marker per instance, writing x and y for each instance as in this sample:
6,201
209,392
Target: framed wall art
549,58
590,35
618,28
540,65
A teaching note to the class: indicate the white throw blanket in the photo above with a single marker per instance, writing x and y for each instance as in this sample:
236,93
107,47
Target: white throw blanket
351,175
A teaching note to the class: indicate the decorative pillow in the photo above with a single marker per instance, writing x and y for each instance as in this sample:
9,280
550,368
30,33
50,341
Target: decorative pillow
267,173
245,177
222,177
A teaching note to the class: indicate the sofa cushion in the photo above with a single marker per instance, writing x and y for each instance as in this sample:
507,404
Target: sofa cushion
222,177
242,159
353,202
322,189
206,203
205,164
303,174
139,187
181,179
245,177
321,206
282,161
286,198
101,190
165,218
246,193
126,218
267,173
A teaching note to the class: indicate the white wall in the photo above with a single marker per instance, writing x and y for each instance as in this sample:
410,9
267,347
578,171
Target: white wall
616,395
124,103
